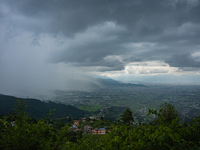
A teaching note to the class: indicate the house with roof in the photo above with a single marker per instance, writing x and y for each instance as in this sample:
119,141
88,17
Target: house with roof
88,129
73,128
99,131
76,122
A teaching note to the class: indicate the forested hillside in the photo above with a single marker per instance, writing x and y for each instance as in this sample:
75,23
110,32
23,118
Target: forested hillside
38,109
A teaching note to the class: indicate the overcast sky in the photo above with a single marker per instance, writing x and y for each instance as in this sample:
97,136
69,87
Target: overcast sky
58,44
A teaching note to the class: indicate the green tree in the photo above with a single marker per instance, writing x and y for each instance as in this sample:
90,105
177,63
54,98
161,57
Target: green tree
22,133
166,114
127,116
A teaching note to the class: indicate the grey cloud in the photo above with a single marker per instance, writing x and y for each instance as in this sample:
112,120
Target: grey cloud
183,60
142,18
70,17
163,22
92,47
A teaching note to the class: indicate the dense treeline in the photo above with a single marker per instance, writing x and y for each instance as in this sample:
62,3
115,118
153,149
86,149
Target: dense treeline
165,132
38,109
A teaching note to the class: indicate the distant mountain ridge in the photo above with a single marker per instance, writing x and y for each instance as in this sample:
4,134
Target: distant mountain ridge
108,82
38,109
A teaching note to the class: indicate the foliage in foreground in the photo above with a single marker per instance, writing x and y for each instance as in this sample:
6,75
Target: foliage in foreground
144,137
23,133
166,134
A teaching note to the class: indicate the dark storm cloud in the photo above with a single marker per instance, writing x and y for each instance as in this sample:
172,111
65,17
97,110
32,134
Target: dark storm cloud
162,22
183,60
70,17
